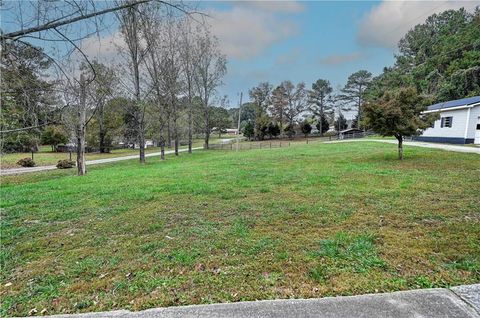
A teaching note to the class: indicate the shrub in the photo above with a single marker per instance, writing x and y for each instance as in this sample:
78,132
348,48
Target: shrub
65,164
289,130
26,162
54,135
248,130
306,128
21,142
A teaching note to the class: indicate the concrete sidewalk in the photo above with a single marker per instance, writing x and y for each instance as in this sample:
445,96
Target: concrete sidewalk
458,302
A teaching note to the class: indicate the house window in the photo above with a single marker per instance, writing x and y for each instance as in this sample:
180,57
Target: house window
446,122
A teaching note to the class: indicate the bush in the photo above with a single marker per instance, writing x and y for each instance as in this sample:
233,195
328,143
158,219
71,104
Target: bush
26,162
306,128
290,131
54,135
65,164
248,130
21,142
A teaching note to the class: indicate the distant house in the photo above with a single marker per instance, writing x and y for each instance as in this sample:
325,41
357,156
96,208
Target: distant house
148,143
231,131
350,133
459,122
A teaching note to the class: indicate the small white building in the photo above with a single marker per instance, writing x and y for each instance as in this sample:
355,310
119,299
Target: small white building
459,122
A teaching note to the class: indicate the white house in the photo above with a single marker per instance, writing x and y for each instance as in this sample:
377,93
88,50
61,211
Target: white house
459,122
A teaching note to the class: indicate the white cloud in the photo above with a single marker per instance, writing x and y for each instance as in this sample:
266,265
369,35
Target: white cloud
337,59
389,21
245,33
245,30
274,6
104,48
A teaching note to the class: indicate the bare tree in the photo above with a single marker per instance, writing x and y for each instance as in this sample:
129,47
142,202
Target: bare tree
278,105
189,62
210,68
261,96
130,29
171,69
99,91
297,101
320,101
81,126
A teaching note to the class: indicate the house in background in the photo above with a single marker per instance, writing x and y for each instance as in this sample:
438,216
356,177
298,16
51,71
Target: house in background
459,122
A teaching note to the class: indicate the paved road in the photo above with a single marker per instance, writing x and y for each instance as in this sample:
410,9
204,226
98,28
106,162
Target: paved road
455,148
14,171
436,303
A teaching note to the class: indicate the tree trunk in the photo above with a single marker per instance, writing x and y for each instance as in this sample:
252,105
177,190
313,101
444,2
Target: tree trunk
162,148
101,132
175,135
169,135
190,137
207,127
81,170
400,146
141,141
320,125
161,142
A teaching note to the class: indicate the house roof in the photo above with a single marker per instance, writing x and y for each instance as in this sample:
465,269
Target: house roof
455,103
351,130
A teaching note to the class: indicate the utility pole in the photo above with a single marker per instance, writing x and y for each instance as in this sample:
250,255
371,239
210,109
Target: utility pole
239,113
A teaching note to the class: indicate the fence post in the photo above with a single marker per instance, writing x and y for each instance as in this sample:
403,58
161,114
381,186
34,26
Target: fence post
70,155
289,143
32,154
330,138
280,144
231,146
307,141
270,144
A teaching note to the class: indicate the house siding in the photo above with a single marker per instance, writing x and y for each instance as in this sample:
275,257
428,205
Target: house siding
462,130
459,121
472,123
445,140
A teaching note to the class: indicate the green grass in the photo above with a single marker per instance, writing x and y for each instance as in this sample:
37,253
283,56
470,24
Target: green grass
305,221
45,156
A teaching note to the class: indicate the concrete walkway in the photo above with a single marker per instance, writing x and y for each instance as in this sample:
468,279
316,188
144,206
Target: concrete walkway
6,172
447,147
458,302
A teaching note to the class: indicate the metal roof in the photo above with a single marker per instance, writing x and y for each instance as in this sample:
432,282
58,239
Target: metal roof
456,103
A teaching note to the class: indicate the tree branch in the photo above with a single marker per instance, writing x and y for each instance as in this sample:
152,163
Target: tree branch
53,25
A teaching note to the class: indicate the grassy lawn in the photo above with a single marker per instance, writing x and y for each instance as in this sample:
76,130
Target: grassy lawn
305,221
45,156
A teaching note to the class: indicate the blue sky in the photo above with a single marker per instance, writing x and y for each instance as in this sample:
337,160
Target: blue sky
307,40
286,40
323,44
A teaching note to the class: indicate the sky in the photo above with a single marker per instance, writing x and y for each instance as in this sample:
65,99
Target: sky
300,41
307,40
